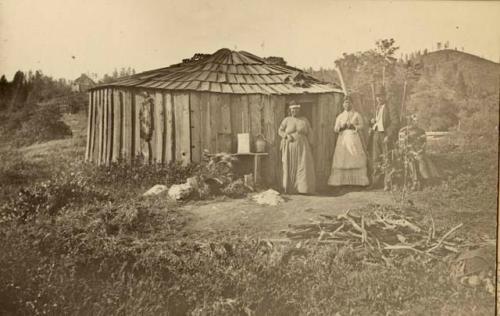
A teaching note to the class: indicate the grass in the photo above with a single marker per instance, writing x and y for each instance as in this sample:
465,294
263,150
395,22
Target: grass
105,250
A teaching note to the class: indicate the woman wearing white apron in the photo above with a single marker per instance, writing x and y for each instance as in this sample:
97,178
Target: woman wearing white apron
349,166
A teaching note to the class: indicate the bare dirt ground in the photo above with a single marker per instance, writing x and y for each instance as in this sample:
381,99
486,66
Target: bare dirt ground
249,218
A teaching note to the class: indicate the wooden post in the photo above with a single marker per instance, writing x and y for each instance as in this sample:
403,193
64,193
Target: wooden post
109,132
158,116
205,133
274,113
104,126
95,123
100,125
143,146
127,126
213,115
137,101
182,128
196,149
255,107
257,170
245,114
169,129
117,126
236,119
89,128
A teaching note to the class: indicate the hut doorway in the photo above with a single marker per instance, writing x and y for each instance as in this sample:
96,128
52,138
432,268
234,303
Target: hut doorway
306,106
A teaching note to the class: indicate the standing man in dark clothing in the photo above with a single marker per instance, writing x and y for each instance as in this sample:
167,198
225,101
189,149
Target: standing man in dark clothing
385,128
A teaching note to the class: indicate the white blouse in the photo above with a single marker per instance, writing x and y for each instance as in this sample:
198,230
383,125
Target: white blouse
348,117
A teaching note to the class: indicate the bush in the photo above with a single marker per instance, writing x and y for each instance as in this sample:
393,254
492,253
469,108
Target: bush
137,174
470,182
50,197
15,172
78,102
44,124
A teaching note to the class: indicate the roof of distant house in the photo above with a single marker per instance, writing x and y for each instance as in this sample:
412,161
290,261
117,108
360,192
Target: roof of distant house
84,79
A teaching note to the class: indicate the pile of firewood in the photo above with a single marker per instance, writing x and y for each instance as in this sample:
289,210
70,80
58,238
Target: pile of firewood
384,232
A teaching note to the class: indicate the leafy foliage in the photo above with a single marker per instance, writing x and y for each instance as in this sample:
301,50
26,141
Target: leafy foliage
50,197
45,123
470,182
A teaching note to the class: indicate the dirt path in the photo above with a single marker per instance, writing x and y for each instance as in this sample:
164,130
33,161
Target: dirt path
246,216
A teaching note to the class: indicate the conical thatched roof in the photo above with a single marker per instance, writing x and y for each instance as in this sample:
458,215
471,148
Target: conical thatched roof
228,71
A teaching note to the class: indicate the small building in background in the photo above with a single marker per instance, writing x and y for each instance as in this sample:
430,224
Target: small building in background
82,84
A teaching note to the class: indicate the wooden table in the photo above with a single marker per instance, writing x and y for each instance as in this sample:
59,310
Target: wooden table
257,164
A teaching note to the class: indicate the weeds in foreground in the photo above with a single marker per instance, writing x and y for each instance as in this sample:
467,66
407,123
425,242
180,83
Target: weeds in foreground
84,269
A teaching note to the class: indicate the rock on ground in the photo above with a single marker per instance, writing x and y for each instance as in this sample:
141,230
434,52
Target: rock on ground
156,190
269,197
180,191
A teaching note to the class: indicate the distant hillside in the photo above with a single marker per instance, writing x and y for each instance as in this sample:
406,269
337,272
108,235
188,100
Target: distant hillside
478,73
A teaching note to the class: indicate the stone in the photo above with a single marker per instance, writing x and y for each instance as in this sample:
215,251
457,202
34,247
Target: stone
156,190
180,191
269,197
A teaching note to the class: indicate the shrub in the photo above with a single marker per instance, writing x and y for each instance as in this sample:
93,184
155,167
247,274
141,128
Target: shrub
136,174
45,123
470,182
50,197
77,102
15,172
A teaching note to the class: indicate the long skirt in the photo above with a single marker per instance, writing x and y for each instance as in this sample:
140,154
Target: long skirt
349,166
298,166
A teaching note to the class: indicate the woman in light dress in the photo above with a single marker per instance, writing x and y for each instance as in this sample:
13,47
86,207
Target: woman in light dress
349,166
296,155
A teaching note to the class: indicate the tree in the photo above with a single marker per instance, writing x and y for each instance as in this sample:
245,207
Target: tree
387,50
4,93
19,91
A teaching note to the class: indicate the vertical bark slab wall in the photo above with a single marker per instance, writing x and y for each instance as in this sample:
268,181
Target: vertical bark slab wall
256,104
117,126
169,149
109,130
159,124
136,100
98,152
90,129
274,113
182,127
104,95
196,127
127,149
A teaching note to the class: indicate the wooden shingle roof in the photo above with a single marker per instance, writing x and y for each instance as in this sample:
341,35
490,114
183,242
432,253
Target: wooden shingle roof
228,71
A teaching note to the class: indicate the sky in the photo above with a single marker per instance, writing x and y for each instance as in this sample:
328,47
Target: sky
65,38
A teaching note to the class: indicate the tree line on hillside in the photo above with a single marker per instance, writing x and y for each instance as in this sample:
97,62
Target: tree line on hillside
32,105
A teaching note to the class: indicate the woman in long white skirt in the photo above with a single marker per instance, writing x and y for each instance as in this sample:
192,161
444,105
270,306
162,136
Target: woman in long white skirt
349,166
